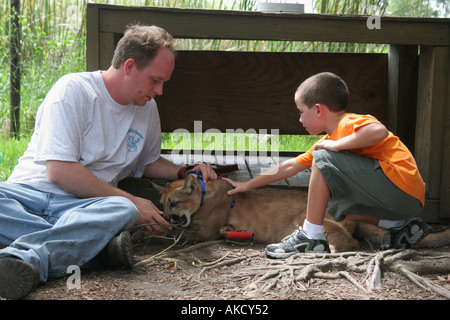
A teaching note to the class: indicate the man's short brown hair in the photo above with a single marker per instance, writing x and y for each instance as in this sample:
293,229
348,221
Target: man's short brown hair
141,43
325,88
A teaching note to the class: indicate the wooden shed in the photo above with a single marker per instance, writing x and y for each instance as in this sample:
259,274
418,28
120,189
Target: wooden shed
408,89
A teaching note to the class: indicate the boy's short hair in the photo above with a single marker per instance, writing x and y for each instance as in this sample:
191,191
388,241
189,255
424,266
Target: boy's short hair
325,88
141,43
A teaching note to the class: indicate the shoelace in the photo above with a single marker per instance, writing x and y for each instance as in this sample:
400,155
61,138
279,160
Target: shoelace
386,241
292,237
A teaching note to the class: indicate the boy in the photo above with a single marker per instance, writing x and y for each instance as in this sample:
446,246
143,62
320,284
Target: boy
359,171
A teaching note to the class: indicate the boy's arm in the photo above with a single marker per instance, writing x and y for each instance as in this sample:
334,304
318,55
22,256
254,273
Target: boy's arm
366,136
281,171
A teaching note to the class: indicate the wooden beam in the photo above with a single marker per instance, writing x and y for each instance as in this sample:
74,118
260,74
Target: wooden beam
402,82
106,45
431,102
92,39
247,25
445,183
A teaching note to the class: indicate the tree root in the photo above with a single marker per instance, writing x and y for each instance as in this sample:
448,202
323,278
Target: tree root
166,254
225,263
420,262
296,271
303,267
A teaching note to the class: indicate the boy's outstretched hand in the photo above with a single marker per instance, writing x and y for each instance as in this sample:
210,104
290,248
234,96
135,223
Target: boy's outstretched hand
281,171
238,186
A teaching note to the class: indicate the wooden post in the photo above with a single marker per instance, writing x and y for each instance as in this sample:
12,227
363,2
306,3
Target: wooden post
15,74
402,81
432,129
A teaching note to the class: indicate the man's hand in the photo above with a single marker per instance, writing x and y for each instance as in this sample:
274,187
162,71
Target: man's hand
150,216
205,169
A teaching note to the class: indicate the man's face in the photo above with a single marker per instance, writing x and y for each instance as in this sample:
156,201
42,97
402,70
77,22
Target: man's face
145,84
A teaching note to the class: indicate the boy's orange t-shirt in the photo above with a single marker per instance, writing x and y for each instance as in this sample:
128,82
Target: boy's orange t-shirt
395,159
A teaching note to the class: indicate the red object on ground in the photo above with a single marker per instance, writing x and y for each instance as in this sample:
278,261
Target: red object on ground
243,235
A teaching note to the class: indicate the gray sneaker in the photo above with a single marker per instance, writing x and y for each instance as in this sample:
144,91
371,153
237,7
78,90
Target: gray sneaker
404,237
297,242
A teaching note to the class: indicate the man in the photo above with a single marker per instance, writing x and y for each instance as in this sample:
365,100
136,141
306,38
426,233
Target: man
61,206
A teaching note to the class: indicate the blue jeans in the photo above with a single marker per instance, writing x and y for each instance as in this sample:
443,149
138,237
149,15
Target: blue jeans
53,231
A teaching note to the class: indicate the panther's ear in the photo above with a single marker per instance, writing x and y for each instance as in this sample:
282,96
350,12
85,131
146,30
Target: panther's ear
190,185
157,186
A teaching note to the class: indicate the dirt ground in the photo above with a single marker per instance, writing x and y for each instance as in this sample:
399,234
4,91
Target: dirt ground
223,271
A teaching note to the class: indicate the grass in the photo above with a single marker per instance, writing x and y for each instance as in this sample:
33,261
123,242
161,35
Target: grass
10,151
54,41
238,141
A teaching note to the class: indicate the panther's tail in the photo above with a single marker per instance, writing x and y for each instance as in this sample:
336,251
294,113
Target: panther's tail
438,238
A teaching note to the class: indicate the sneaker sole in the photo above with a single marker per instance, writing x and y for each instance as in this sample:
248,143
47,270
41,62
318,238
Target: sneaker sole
417,232
121,251
17,278
415,237
284,255
279,255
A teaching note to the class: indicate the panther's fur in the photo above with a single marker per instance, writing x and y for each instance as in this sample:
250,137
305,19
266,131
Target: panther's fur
270,213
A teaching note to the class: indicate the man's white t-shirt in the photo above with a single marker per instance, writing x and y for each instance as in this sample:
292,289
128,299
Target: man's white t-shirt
80,122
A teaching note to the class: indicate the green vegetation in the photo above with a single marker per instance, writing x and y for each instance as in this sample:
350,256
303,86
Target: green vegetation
54,42
11,150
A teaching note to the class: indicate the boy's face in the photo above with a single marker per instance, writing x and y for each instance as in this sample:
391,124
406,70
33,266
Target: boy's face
309,117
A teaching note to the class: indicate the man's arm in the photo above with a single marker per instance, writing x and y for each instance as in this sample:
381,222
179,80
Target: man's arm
75,179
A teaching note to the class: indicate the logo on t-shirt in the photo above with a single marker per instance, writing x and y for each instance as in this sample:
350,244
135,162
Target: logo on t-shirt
133,139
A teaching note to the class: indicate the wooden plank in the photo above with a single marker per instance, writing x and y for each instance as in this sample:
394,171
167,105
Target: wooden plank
431,101
255,90
92,41
402,82
431,213
106,44
210,24
445,182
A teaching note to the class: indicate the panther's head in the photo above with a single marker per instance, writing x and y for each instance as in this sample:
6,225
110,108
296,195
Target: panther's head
181,199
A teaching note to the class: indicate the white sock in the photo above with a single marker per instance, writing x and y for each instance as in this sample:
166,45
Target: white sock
389,224
312,230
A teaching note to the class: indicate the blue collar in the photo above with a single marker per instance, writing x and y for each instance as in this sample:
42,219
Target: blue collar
202,185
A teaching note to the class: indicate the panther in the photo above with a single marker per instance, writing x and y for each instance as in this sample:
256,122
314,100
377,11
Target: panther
201,210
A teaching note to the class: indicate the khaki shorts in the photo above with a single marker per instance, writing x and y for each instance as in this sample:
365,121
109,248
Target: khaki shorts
358,185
